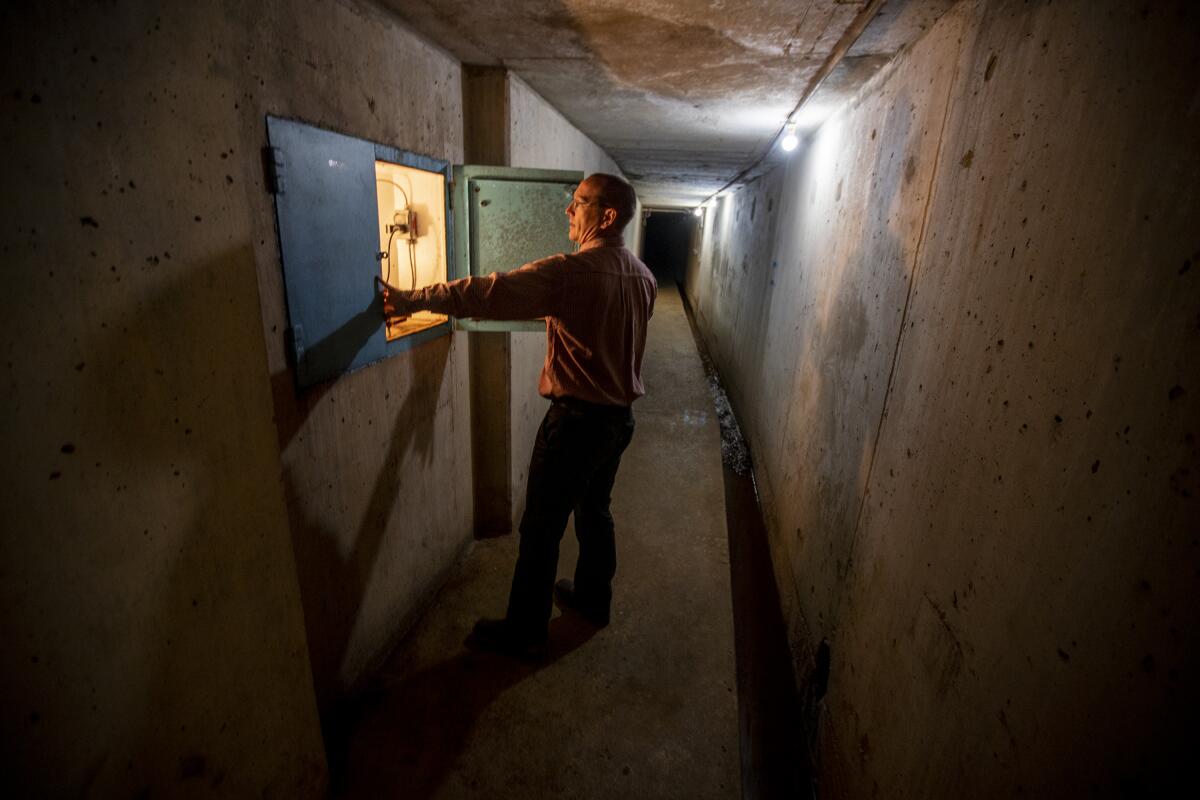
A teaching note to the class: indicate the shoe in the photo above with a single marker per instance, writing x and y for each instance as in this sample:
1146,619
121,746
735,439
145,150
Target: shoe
564,596
497,636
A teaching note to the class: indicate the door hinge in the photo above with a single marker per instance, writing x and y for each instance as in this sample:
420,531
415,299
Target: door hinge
273,167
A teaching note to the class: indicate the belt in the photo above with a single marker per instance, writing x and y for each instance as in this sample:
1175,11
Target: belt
592,408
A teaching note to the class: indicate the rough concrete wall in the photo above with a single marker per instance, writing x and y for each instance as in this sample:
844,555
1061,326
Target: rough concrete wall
377,464
154,624
808,275
964,359
486,134
540,138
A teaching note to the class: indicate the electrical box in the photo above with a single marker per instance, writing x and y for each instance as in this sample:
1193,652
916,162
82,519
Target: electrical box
412,237
350,211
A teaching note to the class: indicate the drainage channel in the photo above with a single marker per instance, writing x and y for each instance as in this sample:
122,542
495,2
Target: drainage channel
774,731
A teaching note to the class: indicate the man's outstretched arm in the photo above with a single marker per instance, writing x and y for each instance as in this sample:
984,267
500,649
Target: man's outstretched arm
532,291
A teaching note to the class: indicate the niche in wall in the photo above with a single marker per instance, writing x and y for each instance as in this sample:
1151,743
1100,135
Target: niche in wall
412,237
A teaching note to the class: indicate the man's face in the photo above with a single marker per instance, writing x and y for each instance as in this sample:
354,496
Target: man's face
585,213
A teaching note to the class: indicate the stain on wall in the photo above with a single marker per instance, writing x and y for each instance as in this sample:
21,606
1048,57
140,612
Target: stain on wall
963,407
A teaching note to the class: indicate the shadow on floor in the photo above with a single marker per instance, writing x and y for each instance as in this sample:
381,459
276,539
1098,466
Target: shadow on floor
409,730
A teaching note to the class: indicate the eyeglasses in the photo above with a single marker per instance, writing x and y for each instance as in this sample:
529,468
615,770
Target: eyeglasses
575,203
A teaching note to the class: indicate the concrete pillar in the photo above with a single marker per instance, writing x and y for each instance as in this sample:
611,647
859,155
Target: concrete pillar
486,126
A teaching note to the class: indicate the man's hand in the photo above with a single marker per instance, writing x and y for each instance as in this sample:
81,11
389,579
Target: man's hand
396,302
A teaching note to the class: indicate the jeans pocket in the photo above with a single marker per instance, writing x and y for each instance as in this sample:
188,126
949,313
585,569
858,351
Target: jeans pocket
623,434
558,425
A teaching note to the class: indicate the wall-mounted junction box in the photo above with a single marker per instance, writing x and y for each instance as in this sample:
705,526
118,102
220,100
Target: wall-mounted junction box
350,210
412,236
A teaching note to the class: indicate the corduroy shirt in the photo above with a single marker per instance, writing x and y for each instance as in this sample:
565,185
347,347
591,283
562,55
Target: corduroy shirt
597,303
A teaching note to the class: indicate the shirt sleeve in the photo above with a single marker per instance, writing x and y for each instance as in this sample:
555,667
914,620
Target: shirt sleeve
532,291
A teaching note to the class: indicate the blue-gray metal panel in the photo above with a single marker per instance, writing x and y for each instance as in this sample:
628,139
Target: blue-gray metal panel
395,156
327,238
327,241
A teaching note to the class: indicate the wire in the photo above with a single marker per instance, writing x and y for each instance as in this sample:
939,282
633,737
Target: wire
412,261
387,256
398,186
412,257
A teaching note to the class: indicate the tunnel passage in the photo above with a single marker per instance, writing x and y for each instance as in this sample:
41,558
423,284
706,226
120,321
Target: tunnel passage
667,239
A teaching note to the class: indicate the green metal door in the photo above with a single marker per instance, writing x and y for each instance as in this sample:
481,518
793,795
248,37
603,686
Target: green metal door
505,217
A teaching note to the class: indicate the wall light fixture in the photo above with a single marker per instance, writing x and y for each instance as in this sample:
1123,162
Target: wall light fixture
790,140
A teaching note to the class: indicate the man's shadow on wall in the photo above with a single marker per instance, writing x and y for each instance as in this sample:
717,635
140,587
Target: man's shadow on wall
391,731
334,581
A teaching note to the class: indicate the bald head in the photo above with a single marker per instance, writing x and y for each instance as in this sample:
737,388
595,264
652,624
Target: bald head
615,193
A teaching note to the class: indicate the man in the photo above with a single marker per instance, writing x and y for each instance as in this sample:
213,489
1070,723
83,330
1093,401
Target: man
597,303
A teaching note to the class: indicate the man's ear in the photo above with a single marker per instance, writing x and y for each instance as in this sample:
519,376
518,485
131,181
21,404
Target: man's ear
608,217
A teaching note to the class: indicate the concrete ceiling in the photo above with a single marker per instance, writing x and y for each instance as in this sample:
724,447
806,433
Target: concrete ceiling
686,95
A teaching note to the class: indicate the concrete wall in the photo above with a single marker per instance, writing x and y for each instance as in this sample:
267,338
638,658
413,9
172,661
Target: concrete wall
959,330
163,485
376,466
196,550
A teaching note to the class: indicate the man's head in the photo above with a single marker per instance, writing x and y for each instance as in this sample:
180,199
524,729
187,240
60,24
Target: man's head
601,206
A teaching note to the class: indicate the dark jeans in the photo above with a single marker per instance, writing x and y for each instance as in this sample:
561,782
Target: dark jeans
573,466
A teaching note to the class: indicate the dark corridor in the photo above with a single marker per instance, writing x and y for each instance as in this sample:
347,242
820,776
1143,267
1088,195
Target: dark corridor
667,240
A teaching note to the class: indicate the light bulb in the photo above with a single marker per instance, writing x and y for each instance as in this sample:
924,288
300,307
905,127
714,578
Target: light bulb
790,139
698,211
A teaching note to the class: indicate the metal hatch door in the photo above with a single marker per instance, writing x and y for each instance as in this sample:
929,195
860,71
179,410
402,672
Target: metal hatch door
325,206
505,217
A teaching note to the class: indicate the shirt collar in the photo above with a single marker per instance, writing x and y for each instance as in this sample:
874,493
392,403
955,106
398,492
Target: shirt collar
603,241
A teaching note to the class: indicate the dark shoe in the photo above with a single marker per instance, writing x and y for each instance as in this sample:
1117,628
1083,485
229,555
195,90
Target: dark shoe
497,636
564,596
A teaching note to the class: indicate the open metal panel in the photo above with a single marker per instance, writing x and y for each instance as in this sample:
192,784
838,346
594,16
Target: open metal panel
505,217
325,203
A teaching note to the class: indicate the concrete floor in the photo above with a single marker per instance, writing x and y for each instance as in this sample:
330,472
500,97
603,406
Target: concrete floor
646,707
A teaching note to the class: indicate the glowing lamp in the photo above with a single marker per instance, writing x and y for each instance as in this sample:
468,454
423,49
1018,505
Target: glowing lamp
790,140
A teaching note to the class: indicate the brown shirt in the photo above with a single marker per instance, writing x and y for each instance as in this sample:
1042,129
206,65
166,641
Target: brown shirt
597,303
